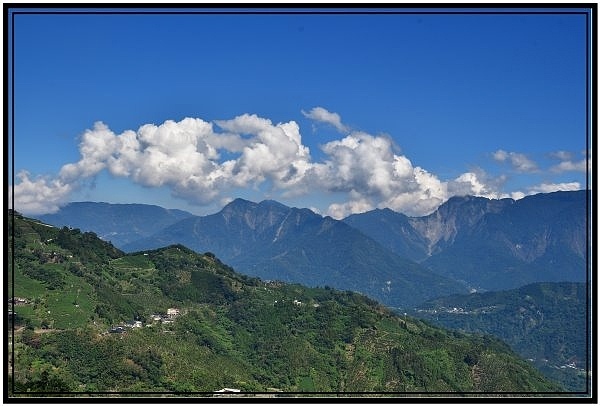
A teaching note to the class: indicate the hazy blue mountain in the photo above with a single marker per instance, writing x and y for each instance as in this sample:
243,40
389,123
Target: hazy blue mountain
491,244
118,223
476,242
543,322
393,230
538,238
273,241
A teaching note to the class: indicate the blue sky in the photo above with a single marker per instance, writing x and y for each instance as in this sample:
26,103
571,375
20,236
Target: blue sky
340,113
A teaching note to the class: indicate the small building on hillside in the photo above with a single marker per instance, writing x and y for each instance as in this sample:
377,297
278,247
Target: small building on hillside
117,330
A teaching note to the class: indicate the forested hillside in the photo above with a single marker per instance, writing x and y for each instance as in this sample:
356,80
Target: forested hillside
544,322
88,318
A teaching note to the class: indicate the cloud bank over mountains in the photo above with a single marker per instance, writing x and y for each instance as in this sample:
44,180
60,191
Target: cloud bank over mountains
204,162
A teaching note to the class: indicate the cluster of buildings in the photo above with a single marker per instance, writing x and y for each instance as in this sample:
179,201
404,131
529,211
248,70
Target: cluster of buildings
17,301
170,317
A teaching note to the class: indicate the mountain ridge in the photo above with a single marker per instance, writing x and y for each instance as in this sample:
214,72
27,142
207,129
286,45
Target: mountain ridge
493,244
120,223
273,241
477,243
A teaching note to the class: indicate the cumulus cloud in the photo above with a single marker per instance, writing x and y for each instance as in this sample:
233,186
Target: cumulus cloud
184,156
341,210
519,161
204,162
478,183
40,195
554,187
367,169
467,184
324,116
517,195
571,166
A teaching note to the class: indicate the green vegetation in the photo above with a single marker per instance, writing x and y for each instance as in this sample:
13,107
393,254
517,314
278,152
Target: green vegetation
543,322
205,327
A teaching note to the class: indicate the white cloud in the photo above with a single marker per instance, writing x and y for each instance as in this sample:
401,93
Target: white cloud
324,116
341,210
477,183
517,195
39,196
561,155
570,166
554,187
245,124
546,188
519,162
367,169
500,155
467,184
204,166
185,157
275,152
567,164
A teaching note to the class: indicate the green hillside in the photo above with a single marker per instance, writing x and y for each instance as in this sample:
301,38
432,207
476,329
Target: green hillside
543,322
88,318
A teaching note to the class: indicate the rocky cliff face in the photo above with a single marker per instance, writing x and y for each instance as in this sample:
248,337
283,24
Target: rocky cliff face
492,244
458,214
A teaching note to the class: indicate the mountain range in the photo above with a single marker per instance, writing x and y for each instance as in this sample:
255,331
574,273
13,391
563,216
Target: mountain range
492,244
119,223
86,318
468,244
276,242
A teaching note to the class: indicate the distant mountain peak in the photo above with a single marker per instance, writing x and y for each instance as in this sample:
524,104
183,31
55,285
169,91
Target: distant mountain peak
491,243
462,199
271,202
239,200
239,204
